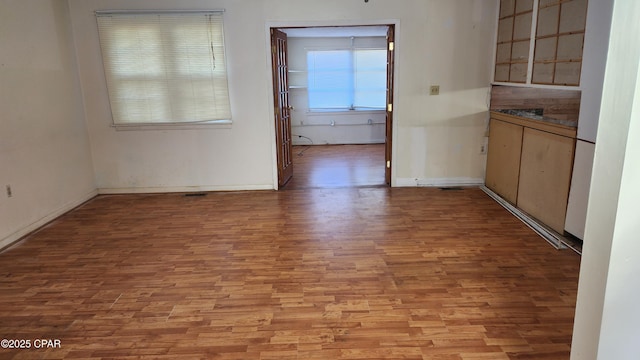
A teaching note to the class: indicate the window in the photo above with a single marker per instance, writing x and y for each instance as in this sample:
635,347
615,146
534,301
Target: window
165,67
352,79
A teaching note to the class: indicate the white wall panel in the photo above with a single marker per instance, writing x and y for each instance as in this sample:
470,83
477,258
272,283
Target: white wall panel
44,147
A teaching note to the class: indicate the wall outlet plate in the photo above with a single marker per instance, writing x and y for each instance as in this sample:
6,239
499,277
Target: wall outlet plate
434,90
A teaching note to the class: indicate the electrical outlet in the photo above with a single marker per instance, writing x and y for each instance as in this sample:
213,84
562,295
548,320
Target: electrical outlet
9,192
434,90
483,149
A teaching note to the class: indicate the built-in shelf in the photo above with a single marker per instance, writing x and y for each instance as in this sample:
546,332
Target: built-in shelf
298,79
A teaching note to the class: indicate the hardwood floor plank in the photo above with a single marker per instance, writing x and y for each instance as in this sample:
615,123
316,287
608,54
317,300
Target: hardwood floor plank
335,166
341,273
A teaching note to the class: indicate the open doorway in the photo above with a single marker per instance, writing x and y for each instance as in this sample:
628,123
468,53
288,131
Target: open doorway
333,86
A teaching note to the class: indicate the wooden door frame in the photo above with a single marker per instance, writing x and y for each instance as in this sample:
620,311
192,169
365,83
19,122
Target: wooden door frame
390,111
391,147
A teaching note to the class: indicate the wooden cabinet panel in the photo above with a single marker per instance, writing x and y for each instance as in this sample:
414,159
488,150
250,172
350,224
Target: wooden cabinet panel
545,175
503,159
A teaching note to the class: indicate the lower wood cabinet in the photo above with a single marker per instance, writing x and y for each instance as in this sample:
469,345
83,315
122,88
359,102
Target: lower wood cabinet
545,176
503,159
529,164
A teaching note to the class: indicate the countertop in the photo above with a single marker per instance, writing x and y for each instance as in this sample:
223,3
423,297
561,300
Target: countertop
536,114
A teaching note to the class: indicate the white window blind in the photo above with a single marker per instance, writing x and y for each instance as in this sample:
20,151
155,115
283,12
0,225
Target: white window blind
353,79
370,79
165,67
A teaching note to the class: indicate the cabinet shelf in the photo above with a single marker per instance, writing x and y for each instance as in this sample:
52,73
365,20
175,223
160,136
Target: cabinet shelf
297,79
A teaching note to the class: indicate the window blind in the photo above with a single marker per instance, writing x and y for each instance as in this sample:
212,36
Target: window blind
353,79
330,79
165,67
370,79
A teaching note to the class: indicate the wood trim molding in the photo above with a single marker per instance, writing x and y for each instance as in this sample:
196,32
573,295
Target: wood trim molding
562,130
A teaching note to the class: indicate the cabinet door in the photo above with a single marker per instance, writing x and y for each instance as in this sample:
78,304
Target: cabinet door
503,159
545,176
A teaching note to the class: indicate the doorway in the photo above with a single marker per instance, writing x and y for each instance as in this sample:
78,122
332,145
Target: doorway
302,106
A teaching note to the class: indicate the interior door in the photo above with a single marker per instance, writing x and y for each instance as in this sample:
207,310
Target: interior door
389,120
282,108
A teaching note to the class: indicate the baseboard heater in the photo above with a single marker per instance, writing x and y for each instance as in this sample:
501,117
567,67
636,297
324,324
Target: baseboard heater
552,237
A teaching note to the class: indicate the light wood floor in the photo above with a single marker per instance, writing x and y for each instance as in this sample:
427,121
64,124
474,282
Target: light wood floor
367,273
332,166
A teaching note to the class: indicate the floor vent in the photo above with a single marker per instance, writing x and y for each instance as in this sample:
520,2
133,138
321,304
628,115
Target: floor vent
195,194
451,188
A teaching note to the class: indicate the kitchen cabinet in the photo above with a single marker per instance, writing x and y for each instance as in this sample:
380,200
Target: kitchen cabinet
529,164
514,37
545,176
558,40
503,159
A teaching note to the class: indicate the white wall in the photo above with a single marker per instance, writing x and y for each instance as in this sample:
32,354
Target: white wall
594,59
348,127
353,127
448,43
44,146
607,315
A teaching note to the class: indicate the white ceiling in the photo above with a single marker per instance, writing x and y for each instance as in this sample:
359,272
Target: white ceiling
336,31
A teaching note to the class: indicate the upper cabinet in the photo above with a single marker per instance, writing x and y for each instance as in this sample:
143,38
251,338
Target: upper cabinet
540,41
514,40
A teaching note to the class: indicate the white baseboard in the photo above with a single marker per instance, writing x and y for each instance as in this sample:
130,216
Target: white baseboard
19,234
438,182
178,189
546,233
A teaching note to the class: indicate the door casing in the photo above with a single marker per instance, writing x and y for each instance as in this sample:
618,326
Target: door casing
282,108
390,133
